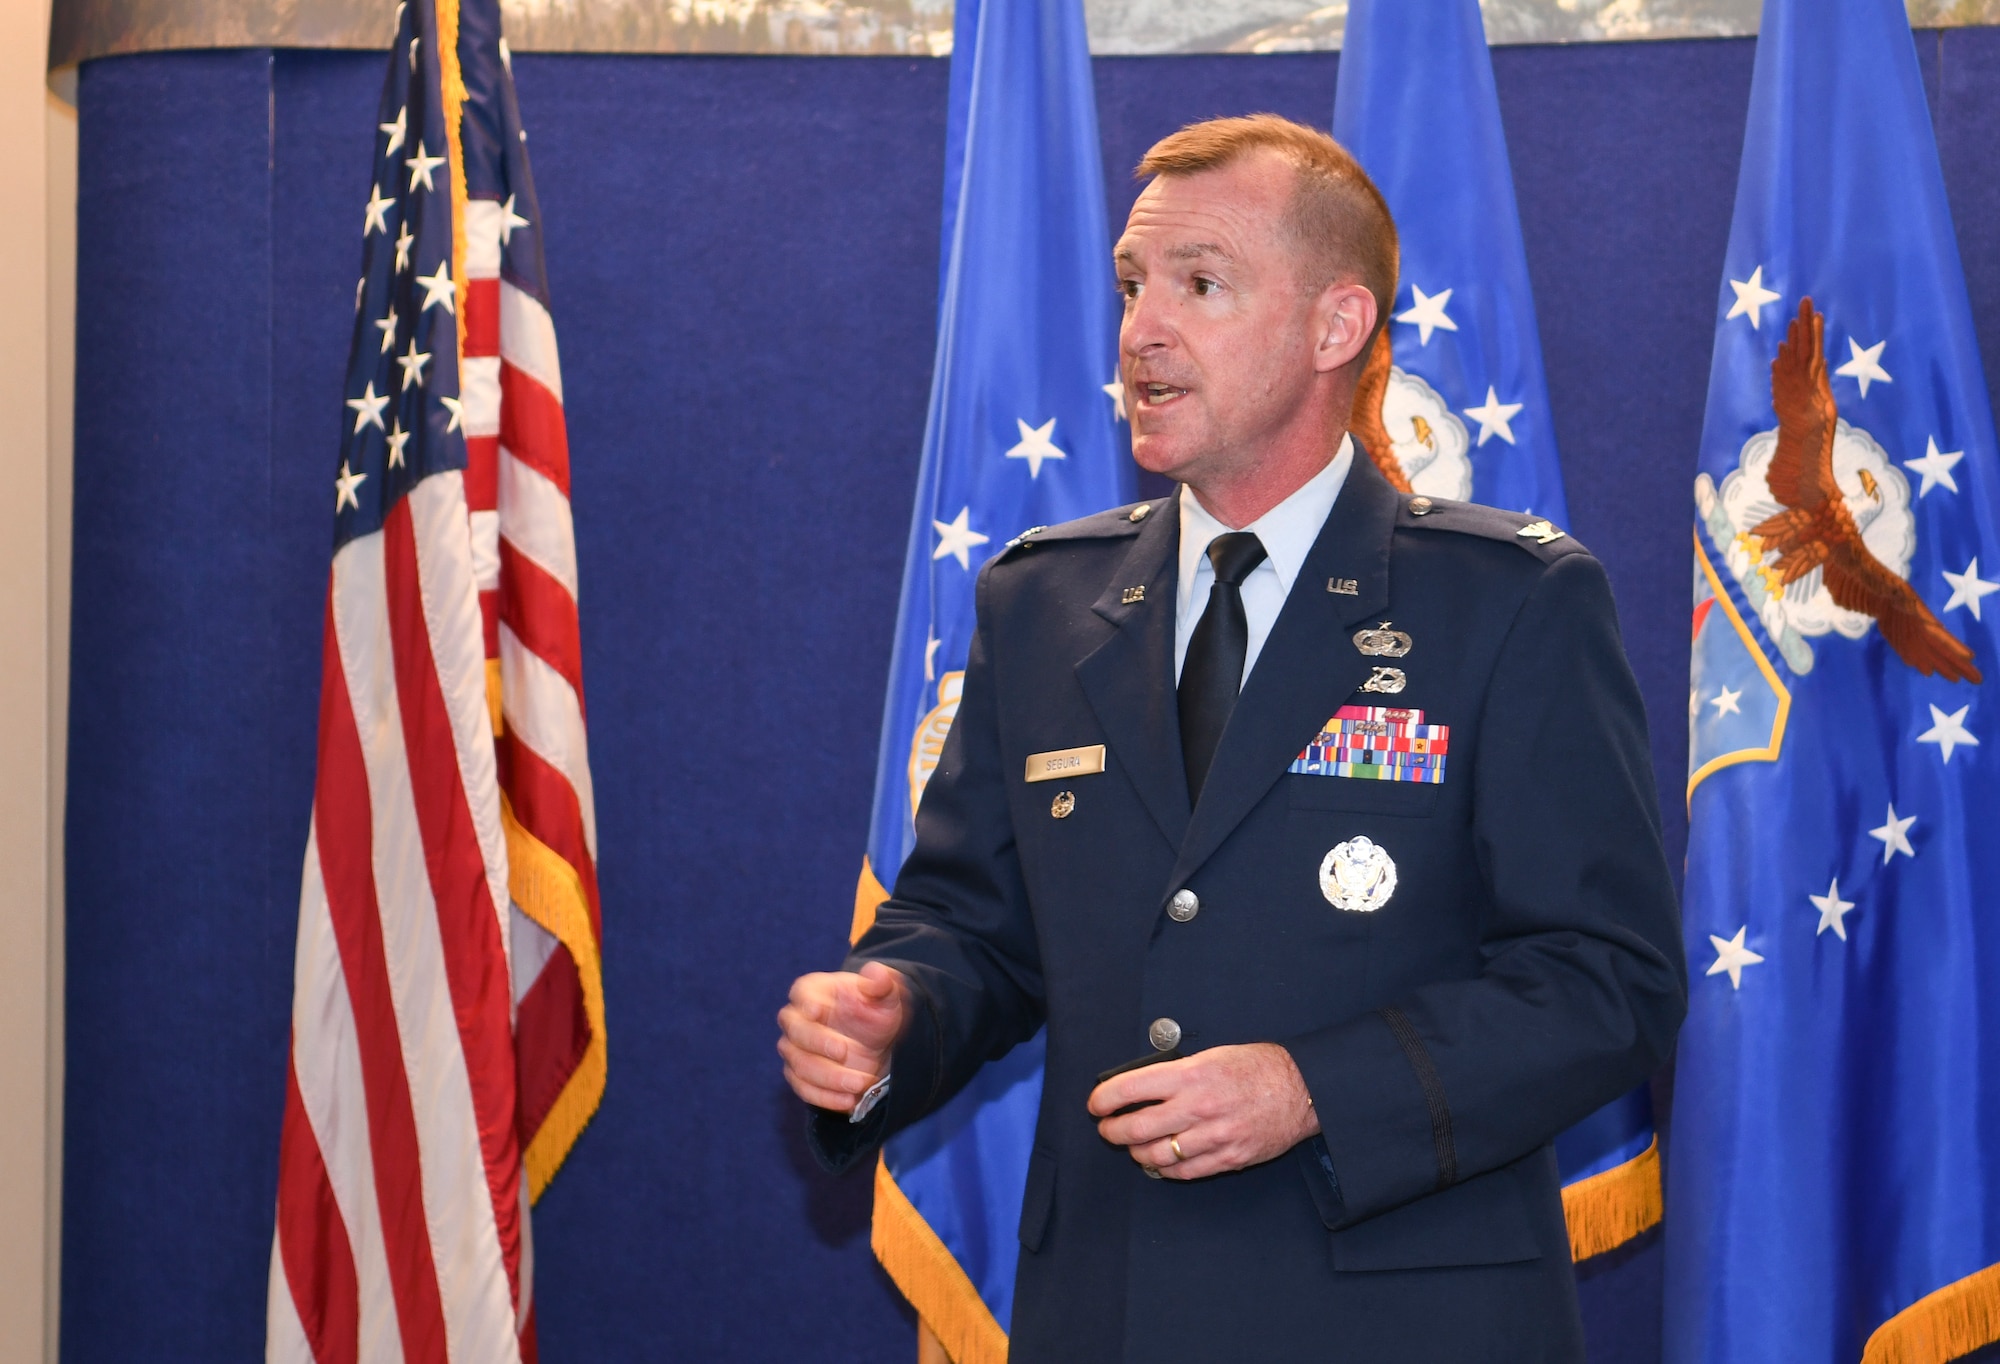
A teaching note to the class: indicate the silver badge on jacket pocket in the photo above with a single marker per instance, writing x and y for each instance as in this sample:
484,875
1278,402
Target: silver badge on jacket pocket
1358,874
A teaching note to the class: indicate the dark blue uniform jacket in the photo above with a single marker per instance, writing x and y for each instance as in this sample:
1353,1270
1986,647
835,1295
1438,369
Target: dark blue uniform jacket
1526,970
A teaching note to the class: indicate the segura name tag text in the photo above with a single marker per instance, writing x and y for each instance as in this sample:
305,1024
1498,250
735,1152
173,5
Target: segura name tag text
1066,762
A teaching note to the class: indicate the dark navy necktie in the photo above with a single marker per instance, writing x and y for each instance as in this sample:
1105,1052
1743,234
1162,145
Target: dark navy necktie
1212,672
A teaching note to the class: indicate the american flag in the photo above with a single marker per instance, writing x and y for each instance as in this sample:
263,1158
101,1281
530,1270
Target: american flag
448,1020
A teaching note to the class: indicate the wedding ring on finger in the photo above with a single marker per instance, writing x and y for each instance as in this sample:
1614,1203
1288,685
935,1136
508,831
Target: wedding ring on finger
1174,1145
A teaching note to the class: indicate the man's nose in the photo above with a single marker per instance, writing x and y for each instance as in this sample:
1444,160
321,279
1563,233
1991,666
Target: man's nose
1145,326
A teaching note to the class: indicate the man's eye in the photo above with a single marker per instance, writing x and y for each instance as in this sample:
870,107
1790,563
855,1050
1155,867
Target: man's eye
1128,288
1204,286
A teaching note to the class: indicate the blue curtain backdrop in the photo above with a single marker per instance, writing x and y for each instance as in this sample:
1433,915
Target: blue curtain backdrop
744,260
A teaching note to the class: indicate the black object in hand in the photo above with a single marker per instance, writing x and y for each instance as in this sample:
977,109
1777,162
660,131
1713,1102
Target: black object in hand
1139,1063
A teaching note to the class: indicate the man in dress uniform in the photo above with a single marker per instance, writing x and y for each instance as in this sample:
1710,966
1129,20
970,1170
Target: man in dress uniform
1335,797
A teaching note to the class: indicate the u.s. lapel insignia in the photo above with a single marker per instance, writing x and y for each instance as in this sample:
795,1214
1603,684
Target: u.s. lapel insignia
1541,532
1344,587
1387,681
1358,875
1382,642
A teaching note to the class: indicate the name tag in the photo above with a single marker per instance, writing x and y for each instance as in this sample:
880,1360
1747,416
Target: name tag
1066,762
1380,743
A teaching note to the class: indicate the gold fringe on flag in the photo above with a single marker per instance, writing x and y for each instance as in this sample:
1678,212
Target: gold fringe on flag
931,1279
1947,1324
868,893
549,891
452,78
1610,1208
953,1317
493,697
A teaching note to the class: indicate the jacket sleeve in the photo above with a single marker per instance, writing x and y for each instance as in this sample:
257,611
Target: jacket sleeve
1583,983
957,927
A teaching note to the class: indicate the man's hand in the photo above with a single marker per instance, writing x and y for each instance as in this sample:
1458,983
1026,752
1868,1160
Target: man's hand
1228,1108
838,1030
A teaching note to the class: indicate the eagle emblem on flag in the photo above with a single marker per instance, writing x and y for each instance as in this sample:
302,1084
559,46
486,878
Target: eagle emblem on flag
1816,524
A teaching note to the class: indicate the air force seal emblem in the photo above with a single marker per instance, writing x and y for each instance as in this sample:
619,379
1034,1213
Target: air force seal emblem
1358,875
927,744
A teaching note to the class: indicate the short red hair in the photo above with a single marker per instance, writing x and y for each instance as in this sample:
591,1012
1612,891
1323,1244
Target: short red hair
1337,216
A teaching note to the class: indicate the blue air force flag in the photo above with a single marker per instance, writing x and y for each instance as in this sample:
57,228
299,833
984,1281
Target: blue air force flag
1831,1198
1464,408
1023,431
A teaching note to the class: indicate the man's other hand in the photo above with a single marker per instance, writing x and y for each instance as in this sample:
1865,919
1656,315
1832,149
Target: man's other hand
1227,1108
838,1030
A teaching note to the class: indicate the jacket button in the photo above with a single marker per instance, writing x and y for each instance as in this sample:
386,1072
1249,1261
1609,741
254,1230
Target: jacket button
1184,906
1165,1034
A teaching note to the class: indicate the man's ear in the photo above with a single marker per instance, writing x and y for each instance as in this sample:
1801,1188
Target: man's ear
1344,319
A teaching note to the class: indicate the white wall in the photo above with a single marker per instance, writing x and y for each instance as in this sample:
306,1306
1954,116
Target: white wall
37,238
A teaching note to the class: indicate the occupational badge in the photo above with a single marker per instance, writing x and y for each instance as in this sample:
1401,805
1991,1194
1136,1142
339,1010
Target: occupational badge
1358,875
1382,642
1387,681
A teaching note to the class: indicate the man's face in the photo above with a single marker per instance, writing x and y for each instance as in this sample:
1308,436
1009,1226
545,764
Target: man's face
1216,347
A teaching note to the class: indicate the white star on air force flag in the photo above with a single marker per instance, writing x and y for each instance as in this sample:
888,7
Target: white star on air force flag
1494,417
1832,911
1895,835
1936,466
1968,588
1864,365
956,538
1751,297
1035,445
1427,314
1732,956
1948,732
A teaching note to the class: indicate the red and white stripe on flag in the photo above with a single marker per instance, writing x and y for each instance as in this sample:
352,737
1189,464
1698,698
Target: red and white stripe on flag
401,1217
524,547
448,1021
